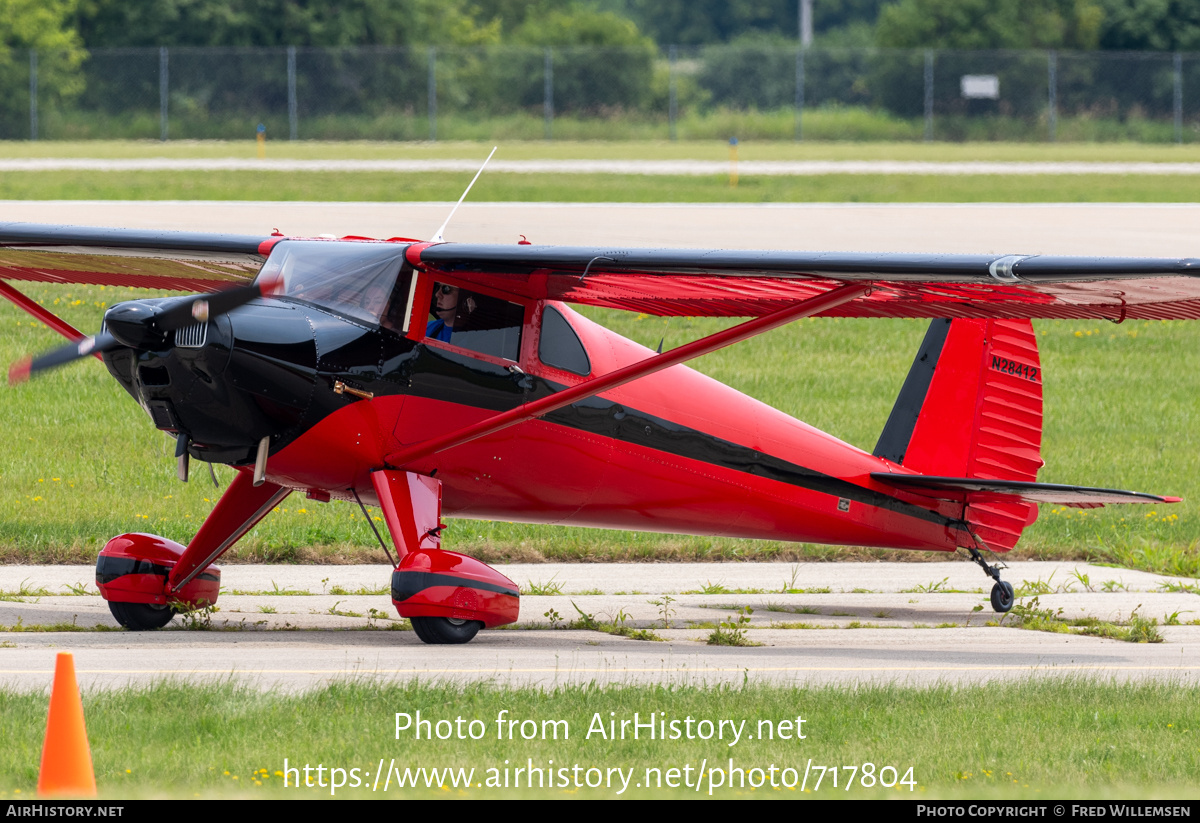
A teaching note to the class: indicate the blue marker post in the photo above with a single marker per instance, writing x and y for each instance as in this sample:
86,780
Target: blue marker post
733,177
261,133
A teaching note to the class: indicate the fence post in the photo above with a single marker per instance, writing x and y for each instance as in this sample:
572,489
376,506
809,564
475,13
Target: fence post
929,94
548,93
293,119
163,87
1052,99
799,133
673,105
33,94
1178,97
432,93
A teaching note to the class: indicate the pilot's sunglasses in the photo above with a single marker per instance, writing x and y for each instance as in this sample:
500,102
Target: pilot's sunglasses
445,289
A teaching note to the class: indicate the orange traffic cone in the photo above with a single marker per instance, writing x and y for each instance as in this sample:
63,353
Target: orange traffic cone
66,757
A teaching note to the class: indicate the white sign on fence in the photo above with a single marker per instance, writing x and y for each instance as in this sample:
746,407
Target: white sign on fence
981,86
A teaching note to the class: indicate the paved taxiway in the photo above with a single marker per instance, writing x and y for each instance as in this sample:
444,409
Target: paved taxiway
289,627
261,647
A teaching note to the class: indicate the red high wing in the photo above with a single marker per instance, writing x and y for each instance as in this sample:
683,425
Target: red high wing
676,282
180,261
748,283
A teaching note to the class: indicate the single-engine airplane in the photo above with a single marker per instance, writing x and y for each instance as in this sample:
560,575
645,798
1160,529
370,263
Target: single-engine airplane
437,379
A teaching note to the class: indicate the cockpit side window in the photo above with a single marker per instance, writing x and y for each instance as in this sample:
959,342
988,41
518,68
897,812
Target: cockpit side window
559,346
474,321
367,281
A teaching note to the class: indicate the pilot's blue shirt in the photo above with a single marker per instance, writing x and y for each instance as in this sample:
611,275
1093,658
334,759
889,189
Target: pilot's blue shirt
438,330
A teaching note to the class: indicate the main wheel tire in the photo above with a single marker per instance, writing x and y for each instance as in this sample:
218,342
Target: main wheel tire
445,630
141,617
1003,597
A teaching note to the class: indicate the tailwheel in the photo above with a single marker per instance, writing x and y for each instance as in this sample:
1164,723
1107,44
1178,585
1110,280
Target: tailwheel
141,617
1003,597
445,630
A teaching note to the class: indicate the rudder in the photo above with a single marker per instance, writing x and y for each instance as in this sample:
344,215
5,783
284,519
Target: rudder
972,407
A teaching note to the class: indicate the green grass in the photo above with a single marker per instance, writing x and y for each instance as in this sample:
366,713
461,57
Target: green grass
847,124
1033,617
584,188
649,149
84,463
494,186
1035,739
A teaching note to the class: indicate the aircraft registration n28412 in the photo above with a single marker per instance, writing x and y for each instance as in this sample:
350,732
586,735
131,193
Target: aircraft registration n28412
435,379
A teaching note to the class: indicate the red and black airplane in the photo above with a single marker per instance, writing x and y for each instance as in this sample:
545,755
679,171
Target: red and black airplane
444,379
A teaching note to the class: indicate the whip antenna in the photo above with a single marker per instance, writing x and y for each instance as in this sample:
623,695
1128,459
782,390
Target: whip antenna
437,238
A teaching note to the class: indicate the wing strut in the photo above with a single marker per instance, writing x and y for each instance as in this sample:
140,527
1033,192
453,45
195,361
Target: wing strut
588,388
50,319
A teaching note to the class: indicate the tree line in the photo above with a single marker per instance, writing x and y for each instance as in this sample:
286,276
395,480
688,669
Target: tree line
626,74
1158,25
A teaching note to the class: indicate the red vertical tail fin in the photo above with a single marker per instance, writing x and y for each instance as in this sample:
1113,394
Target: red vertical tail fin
972,407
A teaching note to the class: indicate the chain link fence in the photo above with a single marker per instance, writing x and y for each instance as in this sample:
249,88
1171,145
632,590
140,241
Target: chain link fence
509,92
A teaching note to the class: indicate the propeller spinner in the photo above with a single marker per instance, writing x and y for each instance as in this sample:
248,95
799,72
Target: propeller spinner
138,325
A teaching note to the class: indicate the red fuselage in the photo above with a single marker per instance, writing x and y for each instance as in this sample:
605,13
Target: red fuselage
672,452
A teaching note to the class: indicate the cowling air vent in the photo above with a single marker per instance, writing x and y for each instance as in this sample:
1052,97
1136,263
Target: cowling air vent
163,415
192,337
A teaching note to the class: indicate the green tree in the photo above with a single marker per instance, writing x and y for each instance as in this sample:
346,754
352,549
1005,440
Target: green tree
41,25
108,23
706,22
601,62
1154,25
755,71
580,26
991,24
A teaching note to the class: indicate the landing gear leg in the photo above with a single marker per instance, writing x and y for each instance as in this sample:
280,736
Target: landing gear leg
448,596
1003,595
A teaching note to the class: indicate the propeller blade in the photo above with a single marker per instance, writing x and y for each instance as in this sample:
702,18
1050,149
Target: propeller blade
203,307
25,368
137,321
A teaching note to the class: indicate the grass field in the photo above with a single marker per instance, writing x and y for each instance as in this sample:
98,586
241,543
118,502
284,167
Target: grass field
610,150
85,464
585,188
1109,741
505,187
508,187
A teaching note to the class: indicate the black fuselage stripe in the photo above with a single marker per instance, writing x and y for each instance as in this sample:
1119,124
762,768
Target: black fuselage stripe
406,584
599,416
454,378
109,569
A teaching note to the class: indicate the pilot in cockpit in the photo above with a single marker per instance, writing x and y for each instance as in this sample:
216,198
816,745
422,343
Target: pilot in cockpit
445,312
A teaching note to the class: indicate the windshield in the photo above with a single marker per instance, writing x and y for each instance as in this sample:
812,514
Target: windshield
361,280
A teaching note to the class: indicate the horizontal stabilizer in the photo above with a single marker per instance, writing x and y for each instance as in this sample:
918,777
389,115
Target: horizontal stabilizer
963,489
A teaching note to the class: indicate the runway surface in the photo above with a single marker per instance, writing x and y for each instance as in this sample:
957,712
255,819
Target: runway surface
1119,229
908,623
